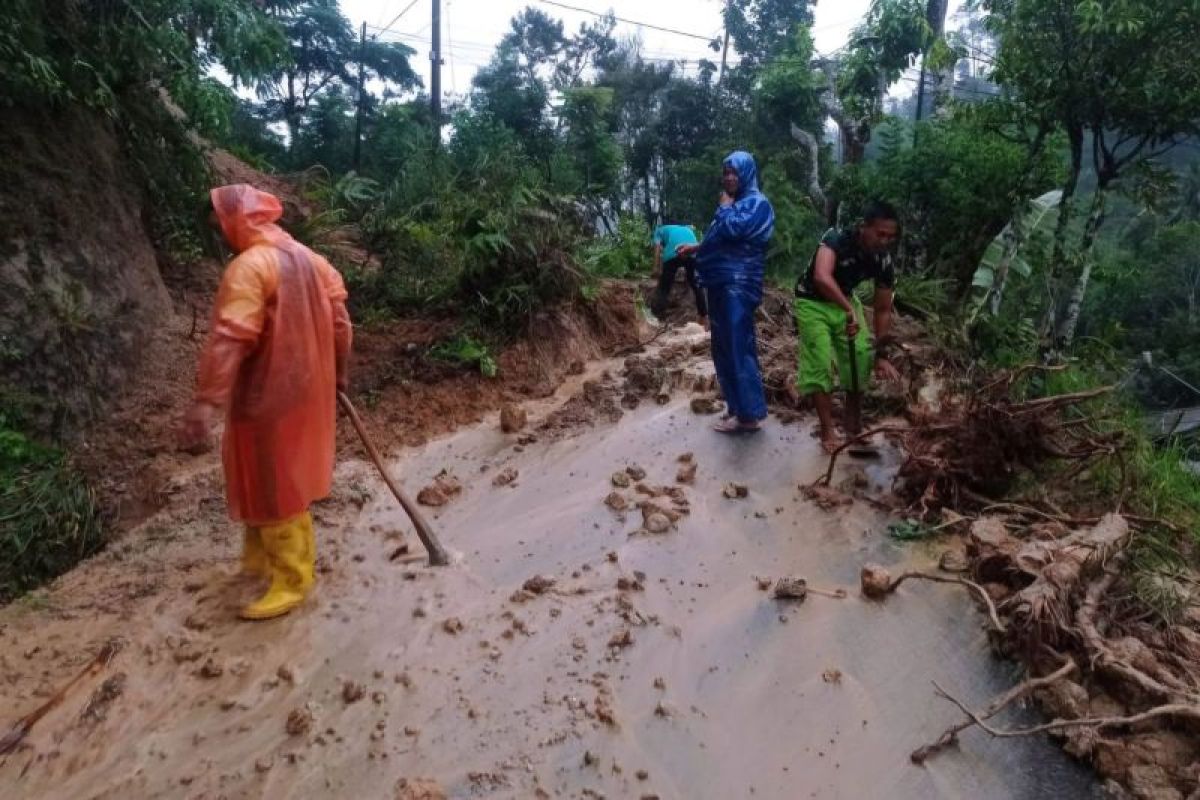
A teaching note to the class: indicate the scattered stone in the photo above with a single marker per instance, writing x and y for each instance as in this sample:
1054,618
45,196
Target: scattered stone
621,480
404,679
663,710
616,501
444,487
826,498
411,730
98,704
513,418
832,676
642,775
686,473
875,581
352,692
686,458
612,556
735,491
453,626
764,584
622,639
629,585
419,789
603,709
507,476
539,584
791,589
300,721
660,684
589,759
636,473
264,764
211,669
706,405
420,612
521,596
195,622
657,523
187,654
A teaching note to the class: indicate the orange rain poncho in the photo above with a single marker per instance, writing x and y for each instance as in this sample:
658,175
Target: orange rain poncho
279,329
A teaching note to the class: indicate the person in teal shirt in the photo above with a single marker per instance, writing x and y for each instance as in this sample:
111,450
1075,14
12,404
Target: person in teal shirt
667,240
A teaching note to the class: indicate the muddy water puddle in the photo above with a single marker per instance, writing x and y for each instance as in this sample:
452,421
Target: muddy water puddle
645,665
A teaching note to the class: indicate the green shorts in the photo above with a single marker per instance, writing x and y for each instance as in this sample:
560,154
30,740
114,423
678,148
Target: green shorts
824,346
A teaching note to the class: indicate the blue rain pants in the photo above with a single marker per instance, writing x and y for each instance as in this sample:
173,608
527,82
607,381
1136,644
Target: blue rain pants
735,350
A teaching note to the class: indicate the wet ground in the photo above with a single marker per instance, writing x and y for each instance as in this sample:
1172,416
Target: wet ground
654,666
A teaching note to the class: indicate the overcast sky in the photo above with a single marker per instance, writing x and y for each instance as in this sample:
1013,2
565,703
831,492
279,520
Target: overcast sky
472,28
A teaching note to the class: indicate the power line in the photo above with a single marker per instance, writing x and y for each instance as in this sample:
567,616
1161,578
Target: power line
450,48
626,21
396,18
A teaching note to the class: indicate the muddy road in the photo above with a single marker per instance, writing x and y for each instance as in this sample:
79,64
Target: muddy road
644,665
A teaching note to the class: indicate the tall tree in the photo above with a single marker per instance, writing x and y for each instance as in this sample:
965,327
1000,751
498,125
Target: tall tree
324,55
1109,74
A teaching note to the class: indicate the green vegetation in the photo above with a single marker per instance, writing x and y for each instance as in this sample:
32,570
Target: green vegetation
49,518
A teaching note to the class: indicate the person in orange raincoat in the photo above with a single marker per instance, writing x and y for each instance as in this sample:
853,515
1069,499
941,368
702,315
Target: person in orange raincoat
276,355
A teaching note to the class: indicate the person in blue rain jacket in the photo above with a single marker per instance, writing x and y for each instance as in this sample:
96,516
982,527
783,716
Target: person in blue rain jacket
730,262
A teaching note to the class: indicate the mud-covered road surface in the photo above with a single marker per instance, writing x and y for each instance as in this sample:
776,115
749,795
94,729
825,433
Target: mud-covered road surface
646,665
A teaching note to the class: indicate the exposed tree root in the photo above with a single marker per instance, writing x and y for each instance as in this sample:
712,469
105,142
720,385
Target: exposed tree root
1178,710
870,590
1021,690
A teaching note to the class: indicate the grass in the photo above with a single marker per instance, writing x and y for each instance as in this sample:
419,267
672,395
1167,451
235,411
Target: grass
49,517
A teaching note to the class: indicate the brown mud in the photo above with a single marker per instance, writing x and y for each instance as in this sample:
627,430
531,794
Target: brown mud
639,664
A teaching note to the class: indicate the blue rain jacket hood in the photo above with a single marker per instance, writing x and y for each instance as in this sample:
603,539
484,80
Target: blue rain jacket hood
734,249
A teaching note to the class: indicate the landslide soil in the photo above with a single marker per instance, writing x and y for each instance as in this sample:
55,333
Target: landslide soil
567,653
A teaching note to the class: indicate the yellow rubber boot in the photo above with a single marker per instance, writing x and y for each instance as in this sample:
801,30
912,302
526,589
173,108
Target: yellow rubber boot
291,566
254,555
310,554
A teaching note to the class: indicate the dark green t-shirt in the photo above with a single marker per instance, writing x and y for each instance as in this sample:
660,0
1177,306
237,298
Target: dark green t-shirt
853,266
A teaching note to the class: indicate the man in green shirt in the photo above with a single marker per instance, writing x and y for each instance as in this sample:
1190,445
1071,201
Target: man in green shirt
829,317
666,241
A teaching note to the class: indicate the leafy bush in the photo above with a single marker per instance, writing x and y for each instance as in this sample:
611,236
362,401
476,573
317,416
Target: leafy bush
465,350
624,254
477,229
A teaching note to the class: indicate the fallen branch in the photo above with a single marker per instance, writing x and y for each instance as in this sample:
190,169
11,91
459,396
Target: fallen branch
1185,710
17,733
974,587
828,476
1021,690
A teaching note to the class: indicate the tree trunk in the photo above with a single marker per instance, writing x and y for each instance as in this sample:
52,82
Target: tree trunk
1066,332
1058,258
809,145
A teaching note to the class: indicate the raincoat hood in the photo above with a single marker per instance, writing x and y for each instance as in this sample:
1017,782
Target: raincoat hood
747,171
247,215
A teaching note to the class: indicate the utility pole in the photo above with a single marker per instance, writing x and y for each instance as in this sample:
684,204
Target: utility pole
362,97
920,100
725,47
435,79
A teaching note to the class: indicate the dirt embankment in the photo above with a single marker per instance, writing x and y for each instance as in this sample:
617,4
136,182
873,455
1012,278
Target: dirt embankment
83,292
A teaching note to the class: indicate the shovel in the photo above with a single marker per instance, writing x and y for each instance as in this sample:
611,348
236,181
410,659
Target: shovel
438,557
858,450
